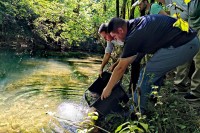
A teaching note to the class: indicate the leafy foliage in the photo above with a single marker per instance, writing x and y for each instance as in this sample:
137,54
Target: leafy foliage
63,22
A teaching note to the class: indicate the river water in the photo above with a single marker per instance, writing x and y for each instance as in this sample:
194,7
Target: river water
30,87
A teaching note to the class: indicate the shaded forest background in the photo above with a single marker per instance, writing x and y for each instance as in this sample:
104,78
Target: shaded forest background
58,25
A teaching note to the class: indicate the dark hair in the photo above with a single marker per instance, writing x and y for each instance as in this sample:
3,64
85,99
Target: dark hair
103,28
143,11
115,23
145,0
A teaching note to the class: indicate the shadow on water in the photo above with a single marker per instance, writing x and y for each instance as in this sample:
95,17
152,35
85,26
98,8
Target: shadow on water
30,87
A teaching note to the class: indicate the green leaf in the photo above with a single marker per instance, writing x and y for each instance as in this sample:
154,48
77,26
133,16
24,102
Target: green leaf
94,117
154,92
145,126
136,128
93,114
119,128
182,126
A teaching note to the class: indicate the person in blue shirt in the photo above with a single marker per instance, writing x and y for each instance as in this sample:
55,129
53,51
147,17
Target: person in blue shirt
144,6
151,34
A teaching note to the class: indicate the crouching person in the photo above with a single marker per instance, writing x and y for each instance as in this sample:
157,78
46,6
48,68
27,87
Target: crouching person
153,34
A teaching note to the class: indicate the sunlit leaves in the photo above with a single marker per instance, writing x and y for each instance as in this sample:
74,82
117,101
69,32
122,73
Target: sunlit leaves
132,127
66,20
93,115
119,128
145,126
88,123
71,20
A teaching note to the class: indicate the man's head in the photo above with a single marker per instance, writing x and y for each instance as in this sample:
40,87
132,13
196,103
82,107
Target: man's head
161,1
103,31
117,28
143,5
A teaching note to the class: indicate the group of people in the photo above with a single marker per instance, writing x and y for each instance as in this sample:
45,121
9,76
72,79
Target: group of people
169,46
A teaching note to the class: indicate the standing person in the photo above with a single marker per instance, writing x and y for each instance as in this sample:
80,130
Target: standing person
111,43
144,7
194,22
182,79
157,8
182,73
156,35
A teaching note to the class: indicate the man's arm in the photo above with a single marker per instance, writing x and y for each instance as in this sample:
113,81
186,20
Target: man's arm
112,67
163,13
107,55
104,62
116,75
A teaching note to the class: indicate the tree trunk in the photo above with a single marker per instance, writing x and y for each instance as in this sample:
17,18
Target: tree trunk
123,11
117,8
104,7
132,11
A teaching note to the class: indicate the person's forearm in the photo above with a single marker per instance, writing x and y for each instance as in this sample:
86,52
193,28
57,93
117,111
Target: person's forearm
105,60
111,68
116,76
115,64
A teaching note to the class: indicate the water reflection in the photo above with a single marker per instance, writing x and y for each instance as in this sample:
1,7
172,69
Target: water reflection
30,87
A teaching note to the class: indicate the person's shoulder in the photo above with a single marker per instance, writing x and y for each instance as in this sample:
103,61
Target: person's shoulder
155,5
114,43
109,43
155,8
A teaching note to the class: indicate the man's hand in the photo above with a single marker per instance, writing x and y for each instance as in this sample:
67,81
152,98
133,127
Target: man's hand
116,75
100,73
106,93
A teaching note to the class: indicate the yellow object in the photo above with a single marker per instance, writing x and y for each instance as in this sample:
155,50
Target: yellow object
187,1
175,15
183,25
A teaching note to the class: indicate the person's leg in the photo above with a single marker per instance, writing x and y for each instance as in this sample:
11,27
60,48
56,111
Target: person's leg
162,62
194,22
195,80
182,80
135,71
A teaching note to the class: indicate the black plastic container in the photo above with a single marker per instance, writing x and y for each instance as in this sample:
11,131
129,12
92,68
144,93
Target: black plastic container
110,104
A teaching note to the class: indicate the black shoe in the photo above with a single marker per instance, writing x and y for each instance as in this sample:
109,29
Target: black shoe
176,90
134,116
191,97
153,99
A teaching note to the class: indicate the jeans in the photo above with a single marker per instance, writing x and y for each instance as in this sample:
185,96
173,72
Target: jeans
163,61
